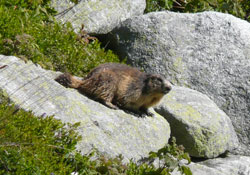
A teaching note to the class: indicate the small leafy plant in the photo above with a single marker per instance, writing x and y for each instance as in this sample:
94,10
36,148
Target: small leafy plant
170,157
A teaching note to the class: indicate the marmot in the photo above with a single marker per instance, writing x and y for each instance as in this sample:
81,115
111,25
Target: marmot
118,85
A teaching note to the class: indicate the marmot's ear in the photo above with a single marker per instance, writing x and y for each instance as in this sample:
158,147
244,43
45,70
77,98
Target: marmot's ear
152,76
148,77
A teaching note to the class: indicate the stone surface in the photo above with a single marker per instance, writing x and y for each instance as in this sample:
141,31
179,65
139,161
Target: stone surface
197,123
231,165
98,16
112,132
209,52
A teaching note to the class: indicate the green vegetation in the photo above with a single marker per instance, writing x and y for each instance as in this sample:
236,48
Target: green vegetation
238,8
28,31
38,145
34,145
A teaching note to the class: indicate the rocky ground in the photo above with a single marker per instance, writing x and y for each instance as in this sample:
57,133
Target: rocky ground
205,56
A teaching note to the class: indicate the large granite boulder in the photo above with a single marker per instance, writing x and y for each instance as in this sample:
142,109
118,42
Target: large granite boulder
197,123
209,52
112,132
98,16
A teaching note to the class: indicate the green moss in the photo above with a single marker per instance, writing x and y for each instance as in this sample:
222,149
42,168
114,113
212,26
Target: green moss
33,34
34,145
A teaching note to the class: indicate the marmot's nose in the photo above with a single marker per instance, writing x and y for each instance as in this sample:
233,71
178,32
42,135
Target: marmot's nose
167,87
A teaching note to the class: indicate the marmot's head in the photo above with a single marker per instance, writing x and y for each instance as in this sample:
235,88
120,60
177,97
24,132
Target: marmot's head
155,83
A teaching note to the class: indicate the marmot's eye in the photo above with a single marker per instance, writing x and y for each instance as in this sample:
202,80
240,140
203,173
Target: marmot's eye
160,79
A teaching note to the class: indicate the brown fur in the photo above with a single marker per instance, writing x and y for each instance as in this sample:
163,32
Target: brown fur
120,85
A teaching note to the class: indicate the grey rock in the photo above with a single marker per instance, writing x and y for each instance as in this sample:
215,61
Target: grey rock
112,132
231,165
197,123
208,52
98,16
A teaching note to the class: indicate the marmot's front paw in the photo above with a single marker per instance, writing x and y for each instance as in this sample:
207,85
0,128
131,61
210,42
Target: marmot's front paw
110,105
145,112
149,114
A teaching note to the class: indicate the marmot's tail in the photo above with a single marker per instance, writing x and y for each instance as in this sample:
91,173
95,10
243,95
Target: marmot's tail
68,80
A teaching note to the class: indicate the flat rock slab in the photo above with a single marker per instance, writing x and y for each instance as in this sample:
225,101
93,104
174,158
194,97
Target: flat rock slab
98,16
112,132
231,165
197,123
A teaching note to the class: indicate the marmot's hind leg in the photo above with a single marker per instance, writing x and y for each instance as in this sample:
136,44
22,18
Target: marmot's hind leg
105,95
100,89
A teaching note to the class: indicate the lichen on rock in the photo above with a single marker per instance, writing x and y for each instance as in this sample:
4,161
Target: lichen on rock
197,123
